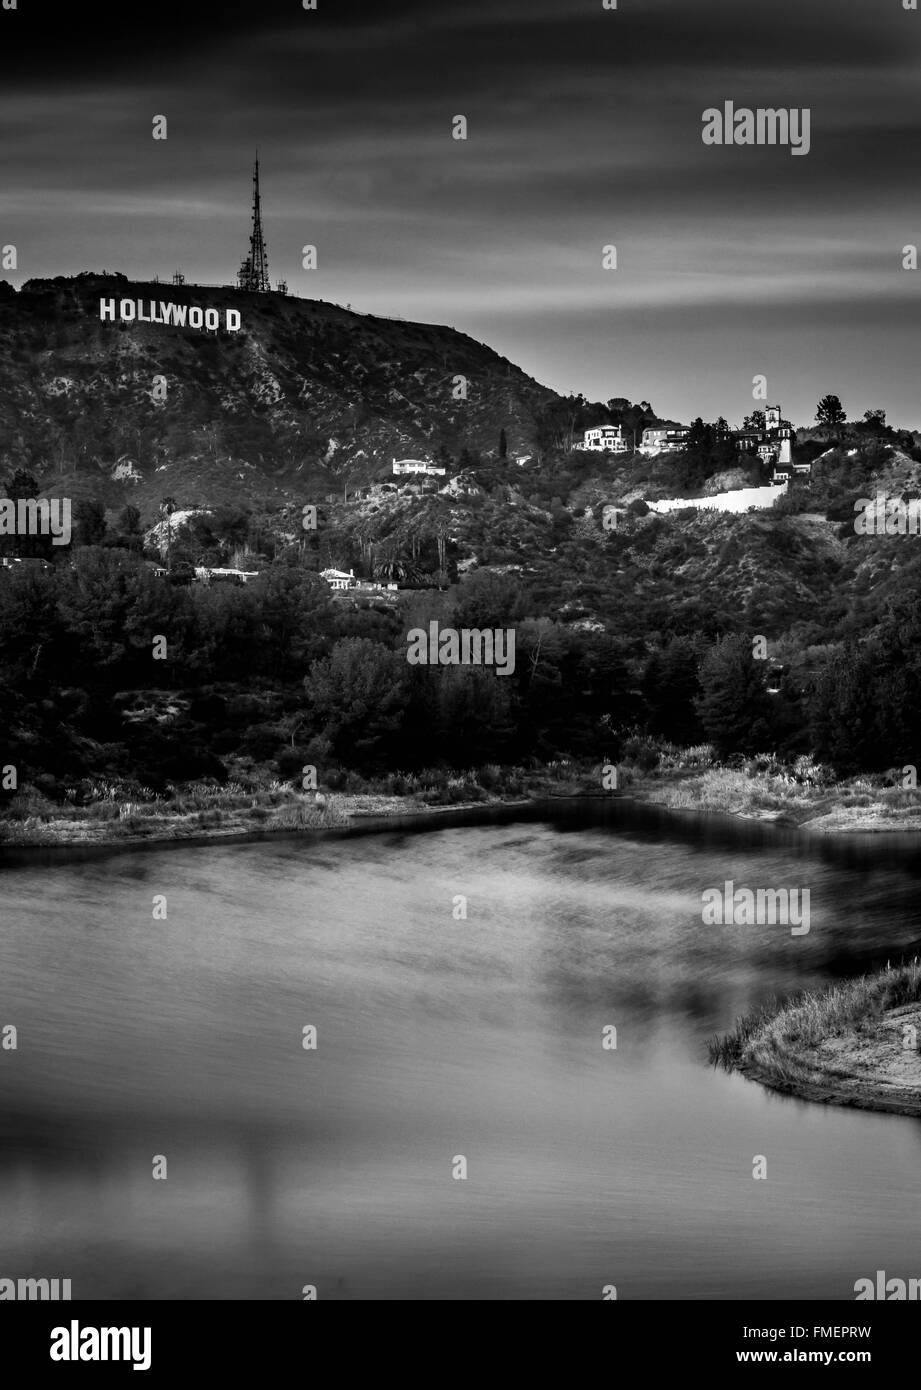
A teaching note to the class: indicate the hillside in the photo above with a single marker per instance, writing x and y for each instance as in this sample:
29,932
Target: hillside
305,397
624,634
310,402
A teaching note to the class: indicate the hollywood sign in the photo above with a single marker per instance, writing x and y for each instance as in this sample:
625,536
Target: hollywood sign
173,315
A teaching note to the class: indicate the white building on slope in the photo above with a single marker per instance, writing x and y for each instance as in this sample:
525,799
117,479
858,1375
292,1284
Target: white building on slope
418,466
608,439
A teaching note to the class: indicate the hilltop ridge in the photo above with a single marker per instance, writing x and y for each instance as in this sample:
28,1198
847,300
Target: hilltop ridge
306,395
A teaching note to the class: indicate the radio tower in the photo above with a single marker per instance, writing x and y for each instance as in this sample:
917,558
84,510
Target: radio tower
254,272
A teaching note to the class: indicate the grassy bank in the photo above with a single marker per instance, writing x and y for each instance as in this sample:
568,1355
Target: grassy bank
858,804
801,793
254,799
853,1044
118,811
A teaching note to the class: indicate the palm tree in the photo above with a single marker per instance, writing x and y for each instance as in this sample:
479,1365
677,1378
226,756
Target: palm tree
167,507
442,528
395,566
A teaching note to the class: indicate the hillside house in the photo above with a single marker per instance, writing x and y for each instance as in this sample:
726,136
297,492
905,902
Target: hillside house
29,561
373,586
338,579
772,444
784,471
425,466
204,575
608,439
343,583
661,439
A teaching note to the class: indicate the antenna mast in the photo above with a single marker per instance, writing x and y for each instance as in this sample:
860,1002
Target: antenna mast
254,272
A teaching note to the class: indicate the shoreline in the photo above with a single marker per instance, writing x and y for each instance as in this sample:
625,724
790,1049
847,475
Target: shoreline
825,1093
854,1045
729,795
858,806
363,811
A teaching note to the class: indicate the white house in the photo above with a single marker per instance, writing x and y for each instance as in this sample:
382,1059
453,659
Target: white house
778,449
338,579
663,440
773,444
206,575
417,466
607,439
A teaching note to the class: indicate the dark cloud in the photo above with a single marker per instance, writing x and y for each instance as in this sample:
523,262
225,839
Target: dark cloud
585,129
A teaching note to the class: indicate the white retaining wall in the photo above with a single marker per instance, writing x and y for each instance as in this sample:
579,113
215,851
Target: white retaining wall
736,501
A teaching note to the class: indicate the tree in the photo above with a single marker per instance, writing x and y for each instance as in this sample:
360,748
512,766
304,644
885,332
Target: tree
487,600
129,521
473,722
21,484
845,714
670,689
393,566
830,414
358,693
231,525
294,610
875,420
22,487
503,445
734,707
89,522
167,507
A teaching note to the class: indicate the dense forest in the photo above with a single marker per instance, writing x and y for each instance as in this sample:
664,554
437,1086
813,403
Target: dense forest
780,633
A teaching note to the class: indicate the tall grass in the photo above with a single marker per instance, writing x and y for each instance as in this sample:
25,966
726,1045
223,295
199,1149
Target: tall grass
777,1037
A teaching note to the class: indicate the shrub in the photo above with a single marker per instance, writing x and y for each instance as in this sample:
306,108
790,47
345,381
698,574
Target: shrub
291,762
642,753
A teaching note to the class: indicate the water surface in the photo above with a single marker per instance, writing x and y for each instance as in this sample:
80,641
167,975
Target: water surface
439,1037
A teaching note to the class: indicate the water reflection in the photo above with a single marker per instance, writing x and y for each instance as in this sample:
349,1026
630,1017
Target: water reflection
438,1037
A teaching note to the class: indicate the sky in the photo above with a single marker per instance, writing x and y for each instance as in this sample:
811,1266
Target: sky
584,130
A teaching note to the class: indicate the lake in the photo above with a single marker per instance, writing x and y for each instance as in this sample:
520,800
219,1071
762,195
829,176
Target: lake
440,1037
